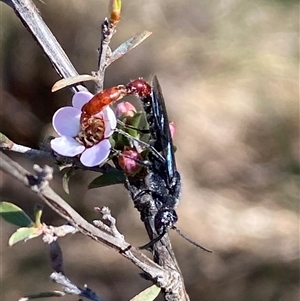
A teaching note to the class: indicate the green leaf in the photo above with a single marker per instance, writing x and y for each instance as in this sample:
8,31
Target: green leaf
38,211
140,127
65,82
5,141
148,294
128,45
24,234
109,178
66,178
43,295
138,121
62,166
15,215
135,126
120,141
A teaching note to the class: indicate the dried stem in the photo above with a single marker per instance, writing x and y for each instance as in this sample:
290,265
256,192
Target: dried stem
7,144
157,274
107,33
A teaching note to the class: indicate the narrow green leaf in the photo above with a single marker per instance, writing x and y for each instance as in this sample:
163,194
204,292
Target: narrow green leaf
112,142
24,234
136,122
38,211
120,141
128,45
65,82
5,142
66,178
14,215
109,178
63,166
43,295
149,294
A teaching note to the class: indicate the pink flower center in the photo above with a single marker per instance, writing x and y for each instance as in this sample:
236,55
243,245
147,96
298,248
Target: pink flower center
92,130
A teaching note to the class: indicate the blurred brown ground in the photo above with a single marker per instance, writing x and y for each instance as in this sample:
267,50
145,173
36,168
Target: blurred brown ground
229,73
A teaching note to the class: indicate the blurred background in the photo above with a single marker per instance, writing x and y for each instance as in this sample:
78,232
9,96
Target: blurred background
230,77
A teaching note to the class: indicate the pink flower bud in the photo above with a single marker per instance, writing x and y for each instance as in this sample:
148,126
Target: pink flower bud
125,109
128,160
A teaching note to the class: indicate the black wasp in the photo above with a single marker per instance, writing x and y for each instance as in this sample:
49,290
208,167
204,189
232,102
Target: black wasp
163,179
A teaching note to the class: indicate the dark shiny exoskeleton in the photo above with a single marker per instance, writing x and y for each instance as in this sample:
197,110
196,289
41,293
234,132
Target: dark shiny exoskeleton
163,179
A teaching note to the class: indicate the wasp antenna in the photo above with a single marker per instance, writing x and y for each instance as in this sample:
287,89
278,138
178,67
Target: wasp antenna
150,244
141,142
190,241
127,126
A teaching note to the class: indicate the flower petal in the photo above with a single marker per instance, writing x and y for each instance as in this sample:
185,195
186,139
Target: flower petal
66,121
81,98
110,121
66,146
96,154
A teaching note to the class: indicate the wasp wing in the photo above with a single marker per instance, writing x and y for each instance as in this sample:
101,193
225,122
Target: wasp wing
164,142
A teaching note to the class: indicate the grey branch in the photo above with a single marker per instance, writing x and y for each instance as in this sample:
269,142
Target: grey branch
71,288
106,215
162,278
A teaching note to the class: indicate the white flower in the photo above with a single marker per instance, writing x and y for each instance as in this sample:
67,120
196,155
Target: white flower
74,140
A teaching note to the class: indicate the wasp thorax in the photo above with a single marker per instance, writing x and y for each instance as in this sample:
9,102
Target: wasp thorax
92,130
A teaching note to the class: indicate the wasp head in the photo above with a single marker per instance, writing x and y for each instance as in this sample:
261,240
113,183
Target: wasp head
164,220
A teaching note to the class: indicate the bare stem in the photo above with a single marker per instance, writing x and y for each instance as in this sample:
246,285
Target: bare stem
162,278
107,32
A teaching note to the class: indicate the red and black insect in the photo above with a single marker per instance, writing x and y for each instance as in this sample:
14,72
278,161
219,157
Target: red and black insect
163,178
